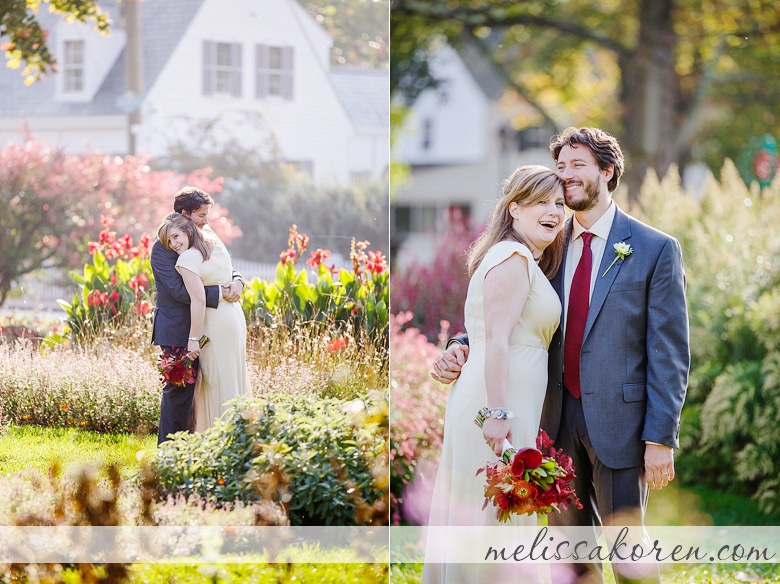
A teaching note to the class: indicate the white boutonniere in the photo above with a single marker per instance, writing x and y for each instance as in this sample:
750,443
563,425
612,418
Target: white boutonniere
622,251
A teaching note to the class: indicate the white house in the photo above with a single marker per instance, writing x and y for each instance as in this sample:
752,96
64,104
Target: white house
459,144
254,71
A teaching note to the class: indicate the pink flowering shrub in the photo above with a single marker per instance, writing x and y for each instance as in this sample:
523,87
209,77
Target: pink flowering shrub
416,413
437,291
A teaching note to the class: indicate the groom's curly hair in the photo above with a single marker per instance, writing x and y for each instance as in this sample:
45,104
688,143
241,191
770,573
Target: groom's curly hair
605,149
191,199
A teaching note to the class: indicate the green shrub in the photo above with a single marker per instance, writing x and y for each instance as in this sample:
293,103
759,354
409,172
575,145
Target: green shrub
731,250
326,465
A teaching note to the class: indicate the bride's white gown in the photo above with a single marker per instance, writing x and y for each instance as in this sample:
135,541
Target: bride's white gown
458,494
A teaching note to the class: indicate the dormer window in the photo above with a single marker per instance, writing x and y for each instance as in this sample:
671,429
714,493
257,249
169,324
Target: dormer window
221,68
84,59
274,71
73,66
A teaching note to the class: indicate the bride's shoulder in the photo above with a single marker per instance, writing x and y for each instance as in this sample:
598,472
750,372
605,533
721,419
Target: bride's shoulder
506,248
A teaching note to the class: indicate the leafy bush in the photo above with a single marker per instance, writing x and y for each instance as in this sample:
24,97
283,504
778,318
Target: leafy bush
416,416
731,250
112,391
339,300
436,291
324,464
116,291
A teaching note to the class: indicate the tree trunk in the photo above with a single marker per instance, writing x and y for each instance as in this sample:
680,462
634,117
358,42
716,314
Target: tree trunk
649,96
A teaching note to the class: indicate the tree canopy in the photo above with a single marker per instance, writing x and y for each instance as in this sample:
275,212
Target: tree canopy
360,30
26,42
675,80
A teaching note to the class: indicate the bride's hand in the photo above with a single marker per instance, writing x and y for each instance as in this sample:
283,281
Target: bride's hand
495,431
193,350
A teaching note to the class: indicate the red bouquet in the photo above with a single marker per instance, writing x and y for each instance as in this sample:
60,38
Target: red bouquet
530,480
176,367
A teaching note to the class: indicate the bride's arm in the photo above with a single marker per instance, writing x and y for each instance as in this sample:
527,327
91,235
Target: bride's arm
197,294
506,289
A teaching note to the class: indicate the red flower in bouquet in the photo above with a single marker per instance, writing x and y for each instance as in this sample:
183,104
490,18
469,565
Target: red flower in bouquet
530,480
177,369
526,458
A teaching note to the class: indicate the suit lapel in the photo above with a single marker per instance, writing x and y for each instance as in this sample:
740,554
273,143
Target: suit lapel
620,231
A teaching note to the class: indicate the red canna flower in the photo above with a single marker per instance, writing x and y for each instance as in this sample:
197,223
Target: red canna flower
139,281
287,257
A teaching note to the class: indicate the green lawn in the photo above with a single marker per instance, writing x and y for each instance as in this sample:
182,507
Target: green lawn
37,447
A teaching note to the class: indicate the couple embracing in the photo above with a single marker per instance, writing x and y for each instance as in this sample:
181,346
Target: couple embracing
579,327
197,316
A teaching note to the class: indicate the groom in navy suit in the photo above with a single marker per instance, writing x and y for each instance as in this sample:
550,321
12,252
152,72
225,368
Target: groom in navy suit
172,310
617,382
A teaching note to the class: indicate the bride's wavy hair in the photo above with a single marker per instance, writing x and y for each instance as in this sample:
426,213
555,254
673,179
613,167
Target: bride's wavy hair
528,185
192,231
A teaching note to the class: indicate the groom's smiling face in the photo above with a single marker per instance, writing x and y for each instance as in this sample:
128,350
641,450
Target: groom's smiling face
199,216
583,180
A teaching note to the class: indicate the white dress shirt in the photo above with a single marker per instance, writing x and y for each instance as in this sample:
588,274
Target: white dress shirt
600,230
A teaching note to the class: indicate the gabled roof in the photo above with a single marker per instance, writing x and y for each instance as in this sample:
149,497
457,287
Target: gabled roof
163,23
487,76
365,95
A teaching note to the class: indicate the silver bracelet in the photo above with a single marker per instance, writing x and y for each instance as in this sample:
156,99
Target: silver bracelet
495,413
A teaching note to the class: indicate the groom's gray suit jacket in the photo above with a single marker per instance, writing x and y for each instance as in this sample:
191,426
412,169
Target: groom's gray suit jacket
635,354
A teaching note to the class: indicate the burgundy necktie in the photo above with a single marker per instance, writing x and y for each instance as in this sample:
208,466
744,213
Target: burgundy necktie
579,299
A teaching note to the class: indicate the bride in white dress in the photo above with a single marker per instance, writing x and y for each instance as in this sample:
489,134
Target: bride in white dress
511,313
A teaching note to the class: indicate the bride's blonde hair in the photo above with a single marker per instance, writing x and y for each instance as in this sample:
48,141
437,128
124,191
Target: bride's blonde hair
192,231
528,185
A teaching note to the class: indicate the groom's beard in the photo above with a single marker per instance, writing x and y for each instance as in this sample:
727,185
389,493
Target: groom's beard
591,190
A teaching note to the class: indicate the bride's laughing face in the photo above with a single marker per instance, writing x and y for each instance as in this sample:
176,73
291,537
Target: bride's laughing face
539,223
178,240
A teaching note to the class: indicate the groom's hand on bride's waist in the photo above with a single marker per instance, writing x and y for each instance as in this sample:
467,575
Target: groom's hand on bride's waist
232,291
447,366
